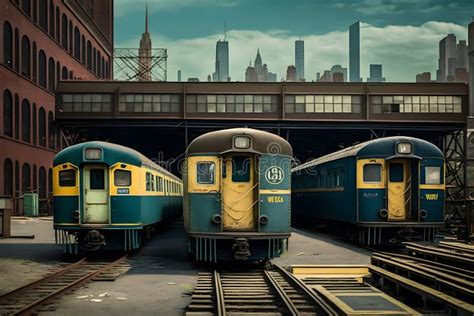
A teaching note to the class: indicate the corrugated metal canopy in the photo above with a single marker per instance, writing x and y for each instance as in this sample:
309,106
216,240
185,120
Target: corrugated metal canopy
222,141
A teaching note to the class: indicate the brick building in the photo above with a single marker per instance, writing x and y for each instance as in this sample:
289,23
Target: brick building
42,42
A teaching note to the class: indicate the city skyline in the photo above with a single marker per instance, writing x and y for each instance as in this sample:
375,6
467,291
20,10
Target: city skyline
411,49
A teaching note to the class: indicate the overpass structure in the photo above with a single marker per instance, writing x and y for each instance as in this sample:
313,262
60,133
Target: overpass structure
161,118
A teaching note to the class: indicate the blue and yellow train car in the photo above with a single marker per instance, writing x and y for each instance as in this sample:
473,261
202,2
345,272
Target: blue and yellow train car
237,195
380,192
108,196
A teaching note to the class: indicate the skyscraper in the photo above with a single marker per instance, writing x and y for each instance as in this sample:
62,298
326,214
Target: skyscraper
144,53
179,75
291,73
354,52
375,73
453,62
299,60
222,61
259,72
423,77
339,69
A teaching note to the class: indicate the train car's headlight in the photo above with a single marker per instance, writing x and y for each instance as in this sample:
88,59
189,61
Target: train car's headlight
404,148
93,153
242,142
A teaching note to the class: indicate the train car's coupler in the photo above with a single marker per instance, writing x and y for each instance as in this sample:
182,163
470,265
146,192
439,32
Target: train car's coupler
241,249
94,240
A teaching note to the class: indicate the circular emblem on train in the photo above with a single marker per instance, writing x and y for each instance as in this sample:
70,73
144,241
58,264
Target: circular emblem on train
274,175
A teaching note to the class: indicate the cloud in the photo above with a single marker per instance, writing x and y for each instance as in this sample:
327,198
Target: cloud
404,51
124,7
378,7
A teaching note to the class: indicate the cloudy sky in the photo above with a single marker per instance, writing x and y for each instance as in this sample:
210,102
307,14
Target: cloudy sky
402,35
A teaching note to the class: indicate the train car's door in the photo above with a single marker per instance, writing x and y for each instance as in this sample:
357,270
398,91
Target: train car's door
96,194
238,197
398,190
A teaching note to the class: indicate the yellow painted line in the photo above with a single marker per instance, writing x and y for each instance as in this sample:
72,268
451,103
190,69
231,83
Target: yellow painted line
345,270
275,191
432,187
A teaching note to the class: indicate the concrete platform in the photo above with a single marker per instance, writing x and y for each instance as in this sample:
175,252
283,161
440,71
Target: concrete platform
162,276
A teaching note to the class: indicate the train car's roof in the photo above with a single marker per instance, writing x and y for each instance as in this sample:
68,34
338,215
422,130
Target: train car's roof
378,148
221,141
112,153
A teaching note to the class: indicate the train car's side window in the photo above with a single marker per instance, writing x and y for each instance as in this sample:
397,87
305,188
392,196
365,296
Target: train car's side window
205,172
432,175
372,172
152,182
67,178
147,181
122,178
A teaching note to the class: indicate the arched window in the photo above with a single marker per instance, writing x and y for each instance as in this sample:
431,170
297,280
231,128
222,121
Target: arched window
7,113
42,68
64,31
25,56
77,43
35,124
99,65
17,178
8,177
17,51
51,18
64,73
17,116
34,187
25,121
70,36
103,67
51,130
42,127
58,72
51,74
35,63
7,45
42,183
25,178
83,50
58,26
89,55
26,7
43,14
94,60
34,13
50,181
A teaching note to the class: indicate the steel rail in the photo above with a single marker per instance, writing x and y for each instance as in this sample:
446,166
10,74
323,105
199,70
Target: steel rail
282,294
30,308
221,311
41,280
319,301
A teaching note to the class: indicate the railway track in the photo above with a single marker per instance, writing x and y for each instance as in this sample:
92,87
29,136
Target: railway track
271,291
31,297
